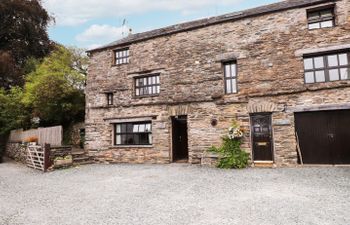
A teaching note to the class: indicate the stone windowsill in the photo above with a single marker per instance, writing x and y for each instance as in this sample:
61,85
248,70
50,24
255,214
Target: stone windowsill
131,146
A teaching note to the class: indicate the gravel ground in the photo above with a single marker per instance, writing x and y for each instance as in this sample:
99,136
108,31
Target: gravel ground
173,194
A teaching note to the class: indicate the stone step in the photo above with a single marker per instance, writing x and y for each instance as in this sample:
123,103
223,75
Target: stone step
264,164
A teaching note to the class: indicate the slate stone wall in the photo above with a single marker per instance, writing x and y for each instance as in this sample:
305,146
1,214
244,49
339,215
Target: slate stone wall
269,54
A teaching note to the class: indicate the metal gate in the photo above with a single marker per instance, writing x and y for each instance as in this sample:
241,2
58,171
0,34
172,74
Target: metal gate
324,137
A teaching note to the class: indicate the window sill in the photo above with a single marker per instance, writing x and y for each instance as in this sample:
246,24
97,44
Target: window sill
131,146
118,65
146,96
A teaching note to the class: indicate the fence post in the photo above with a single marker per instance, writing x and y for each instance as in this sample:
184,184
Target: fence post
47,162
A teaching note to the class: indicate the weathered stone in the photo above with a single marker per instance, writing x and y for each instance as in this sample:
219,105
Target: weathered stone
270,79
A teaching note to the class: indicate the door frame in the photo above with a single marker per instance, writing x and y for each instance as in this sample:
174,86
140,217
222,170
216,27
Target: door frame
272,136
172,158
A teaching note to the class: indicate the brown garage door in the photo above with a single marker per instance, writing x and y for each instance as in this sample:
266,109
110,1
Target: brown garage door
324,137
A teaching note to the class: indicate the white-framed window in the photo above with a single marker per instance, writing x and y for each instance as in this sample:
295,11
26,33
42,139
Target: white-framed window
230,73
121,56
133,133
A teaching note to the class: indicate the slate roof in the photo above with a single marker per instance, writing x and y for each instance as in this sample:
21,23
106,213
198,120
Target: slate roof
284,5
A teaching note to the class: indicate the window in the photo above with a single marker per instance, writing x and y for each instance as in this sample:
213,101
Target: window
137,133
109,98
147,85
321,18
331,67
230,70
121,56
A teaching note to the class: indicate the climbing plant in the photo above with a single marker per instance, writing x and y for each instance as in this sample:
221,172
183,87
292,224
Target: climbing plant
230,152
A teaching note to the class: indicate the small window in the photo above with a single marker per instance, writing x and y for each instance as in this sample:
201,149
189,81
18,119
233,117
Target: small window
138,133
109,98
330,67
121,56
321,18
147,85
230,72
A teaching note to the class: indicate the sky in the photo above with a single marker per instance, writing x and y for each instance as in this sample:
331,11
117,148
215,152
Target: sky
91,23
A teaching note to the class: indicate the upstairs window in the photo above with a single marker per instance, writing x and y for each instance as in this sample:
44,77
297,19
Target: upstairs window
121,56
109,98
136,133
147,85
325,68
230,71
321,18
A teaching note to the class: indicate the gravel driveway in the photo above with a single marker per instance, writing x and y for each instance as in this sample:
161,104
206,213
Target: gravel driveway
174,194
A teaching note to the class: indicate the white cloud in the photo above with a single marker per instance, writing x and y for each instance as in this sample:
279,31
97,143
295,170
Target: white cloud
96,35
77,12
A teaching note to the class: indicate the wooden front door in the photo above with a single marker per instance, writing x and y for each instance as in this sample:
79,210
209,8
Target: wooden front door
262,137
180,138
324,136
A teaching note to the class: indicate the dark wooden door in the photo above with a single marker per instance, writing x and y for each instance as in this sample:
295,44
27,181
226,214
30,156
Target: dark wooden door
324,137
262,137
180,138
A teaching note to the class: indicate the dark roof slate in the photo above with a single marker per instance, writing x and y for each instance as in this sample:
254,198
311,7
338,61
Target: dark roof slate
284,5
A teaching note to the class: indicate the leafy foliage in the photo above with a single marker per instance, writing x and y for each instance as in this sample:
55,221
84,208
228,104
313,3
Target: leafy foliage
23,35
232,156
55,90
13,113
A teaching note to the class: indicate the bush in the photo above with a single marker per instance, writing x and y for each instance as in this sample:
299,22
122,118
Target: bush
231,154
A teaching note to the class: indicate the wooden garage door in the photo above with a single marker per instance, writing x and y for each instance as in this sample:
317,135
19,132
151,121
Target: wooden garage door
324,137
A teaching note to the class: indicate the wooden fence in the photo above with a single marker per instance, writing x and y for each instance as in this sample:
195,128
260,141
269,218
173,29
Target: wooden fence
49,135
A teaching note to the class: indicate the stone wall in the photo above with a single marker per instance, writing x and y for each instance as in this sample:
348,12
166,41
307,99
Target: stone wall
16,151
267,49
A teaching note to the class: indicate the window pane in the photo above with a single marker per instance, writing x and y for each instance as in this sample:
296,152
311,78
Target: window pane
158,89
320,76
343,59
148,127
144,139
314,25
145,81
327,13
344,73
228,86
136,128
149,80
150,139
158,80
313,15
129,128
227,70
130,139
308,64
137,91
142,128
123,128
118,128
332,60
233,70
309,77
118,140
234,87
124,140
150,90
319,63
136,139
154,90
327,23
154,80
333,75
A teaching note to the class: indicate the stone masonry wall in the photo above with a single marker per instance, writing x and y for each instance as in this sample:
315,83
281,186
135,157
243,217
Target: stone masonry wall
270,73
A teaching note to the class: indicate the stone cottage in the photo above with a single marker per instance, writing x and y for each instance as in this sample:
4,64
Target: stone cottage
281,71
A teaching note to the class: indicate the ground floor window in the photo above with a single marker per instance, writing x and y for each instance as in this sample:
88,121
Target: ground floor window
135,133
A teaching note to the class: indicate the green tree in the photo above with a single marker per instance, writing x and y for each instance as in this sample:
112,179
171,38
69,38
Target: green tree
13,113
55,89
23,35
